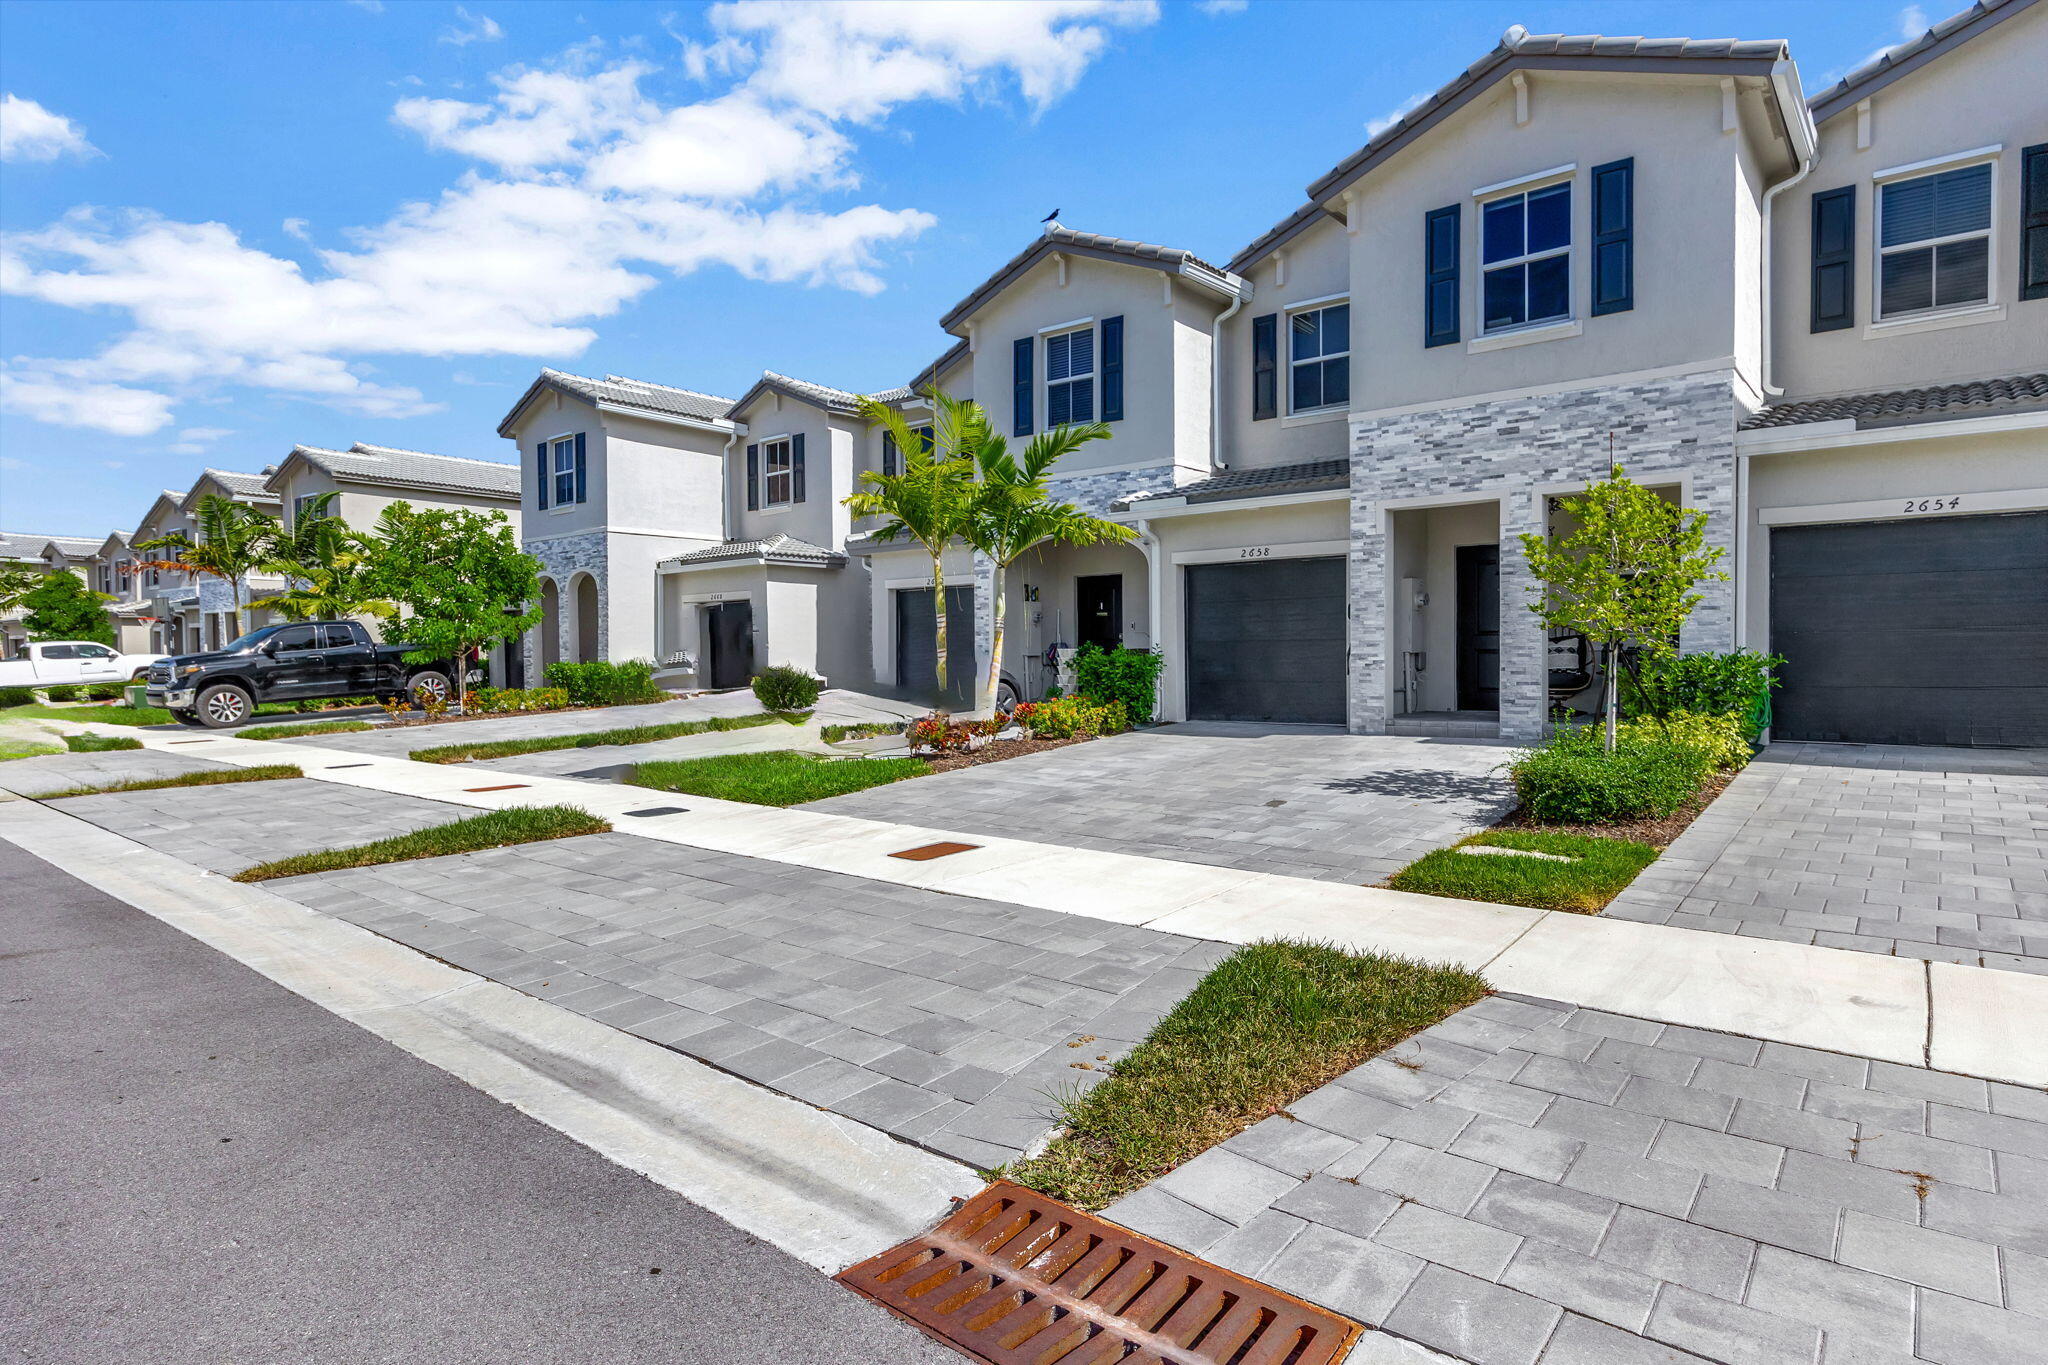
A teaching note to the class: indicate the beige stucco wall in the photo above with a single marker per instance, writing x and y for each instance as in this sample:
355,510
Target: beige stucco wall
833,447
547,418
1032,627
1314,265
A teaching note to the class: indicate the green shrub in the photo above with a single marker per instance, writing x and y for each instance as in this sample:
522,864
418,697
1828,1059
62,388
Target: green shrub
785,688
599,683
99,744
1737,683
1130,676
106,691
1069,717
17,696
1570,780
1720,738
61,692
506,701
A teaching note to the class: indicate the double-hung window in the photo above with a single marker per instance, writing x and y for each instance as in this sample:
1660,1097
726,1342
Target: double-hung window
778,477
1070,377
562,461
1525,257
1934,242
299,506
1319,357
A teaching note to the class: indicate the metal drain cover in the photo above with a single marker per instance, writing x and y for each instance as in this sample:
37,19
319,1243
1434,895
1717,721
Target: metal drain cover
1015,1278
501,787
660,810
924,853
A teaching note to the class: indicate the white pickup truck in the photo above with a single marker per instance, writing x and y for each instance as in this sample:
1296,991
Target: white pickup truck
50,663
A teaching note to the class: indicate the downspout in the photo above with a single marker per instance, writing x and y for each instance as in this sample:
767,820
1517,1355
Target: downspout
1216,380
1149,543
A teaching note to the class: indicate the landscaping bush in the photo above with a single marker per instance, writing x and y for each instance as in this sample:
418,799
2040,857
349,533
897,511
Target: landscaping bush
1071,717
17,696
61,692
940,733
1570,780
605,684
105,691
1737,683
506,701
785,688
99,744
1720,738
1129,676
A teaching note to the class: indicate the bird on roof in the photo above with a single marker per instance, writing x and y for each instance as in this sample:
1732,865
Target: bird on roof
1052,217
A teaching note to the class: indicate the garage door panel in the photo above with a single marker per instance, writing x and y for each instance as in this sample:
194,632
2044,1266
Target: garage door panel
1984,600
1266,642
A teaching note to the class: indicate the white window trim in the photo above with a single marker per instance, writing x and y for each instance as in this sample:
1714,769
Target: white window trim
1956,314
769,503
560,504
1544,329
1287,330
1046,381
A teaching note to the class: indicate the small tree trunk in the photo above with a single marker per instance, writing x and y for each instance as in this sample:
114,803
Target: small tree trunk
235,611
995,659
939,623
1609,693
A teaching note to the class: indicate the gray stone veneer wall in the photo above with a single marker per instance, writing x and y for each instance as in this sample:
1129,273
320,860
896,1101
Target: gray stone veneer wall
1505,450
560,559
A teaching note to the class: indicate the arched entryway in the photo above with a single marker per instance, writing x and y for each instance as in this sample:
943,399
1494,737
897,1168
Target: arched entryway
550,624
586,618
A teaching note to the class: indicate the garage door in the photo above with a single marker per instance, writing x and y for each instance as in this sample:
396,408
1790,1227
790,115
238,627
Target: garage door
1266,641
1913,632
917,646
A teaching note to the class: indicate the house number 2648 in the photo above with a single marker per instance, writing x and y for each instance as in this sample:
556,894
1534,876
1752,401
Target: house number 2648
1932,505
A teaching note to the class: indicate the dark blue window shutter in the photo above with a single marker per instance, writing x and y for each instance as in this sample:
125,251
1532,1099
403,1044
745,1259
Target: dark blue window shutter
888,451
1265,367
1614,237
1020,385
582,488
1440,253
1113,369
547,476
1834,260
2034,221
796,467
753,478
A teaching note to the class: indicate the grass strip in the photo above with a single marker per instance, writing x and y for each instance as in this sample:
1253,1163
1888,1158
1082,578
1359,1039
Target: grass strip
26,748
494,829
118,715
1600,869
318,727
869,729
635,734
209,777
780,777
1273,1021
100,744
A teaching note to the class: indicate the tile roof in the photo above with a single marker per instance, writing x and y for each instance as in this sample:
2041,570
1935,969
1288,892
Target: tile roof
1978,398
1282,232
1059,237
414,469
929,375
1313,476
243,485
616,390
18,545
1894,62
844,401
779,549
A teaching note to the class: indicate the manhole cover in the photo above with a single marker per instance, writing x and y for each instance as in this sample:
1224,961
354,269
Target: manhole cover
1015,1278
924,853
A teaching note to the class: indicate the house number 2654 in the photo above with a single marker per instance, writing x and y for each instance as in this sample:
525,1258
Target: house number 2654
1932,505
1256,552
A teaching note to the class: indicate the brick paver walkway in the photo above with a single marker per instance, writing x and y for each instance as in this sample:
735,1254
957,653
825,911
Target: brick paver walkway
1300,803
1931,854
63,772
1528,1182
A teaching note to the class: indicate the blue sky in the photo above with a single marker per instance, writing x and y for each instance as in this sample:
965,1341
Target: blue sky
230,228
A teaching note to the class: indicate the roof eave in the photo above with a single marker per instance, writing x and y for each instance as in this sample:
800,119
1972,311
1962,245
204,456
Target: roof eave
1846,95
1222,283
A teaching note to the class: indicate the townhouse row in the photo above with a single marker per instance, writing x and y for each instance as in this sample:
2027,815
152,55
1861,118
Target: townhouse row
1823,322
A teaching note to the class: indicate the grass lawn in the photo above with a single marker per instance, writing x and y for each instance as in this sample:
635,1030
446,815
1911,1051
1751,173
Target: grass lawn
99,744
118,714
633,734
495,829
781,777
27,748
1274,1021
209,777
1599,869
318,727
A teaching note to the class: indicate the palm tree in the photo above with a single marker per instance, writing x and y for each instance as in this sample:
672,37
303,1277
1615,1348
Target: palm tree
234,540
1012,513
929,501
325,566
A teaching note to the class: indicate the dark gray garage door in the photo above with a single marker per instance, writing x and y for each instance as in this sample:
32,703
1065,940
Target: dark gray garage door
1913,632
917,647
1266,641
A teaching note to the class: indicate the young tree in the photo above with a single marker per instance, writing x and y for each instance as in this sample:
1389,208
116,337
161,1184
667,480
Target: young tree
17,581
326,568
234,540
1625,577
930,500
62,608
1011,513
459,576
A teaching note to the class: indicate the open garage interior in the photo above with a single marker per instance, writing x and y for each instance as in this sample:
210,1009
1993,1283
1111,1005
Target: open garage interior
1266,640
1927,631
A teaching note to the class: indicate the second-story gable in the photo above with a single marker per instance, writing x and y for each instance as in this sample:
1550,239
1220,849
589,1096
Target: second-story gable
806,445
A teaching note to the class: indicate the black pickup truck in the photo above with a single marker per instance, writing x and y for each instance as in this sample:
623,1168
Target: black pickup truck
298,662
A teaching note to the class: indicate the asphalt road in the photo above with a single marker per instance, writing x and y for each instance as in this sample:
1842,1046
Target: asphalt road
200,1166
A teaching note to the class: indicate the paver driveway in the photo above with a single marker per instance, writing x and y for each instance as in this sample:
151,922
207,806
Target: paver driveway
67,771
1928,853
1299,802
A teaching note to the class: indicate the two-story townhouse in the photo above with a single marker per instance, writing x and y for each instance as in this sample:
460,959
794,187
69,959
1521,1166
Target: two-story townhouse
365,479
169,596
1894,548
619,475
44,554
213,598
113,573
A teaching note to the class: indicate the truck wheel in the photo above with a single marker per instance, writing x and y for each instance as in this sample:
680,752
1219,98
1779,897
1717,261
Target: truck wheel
224,704
429,684
184,717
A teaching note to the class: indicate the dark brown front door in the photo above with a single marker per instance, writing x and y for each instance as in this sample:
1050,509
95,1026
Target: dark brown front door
1099,601
732,644
1479,627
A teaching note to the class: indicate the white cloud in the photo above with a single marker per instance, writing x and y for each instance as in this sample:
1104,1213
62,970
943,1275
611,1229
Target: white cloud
196,440
474,28
63,400
369,6
29,132
1374,127
1223,6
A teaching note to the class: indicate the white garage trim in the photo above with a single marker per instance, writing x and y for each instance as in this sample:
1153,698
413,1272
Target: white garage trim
1901,509
1305,549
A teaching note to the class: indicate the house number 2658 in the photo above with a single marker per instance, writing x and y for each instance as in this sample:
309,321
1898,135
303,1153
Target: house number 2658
1256,552
1932,505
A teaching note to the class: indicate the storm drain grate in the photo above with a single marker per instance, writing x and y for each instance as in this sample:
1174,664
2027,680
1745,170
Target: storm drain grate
924,853
1012,1277
337,767
501,787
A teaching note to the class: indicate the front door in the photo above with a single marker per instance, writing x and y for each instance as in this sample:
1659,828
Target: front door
1099,601
732,644
1479,627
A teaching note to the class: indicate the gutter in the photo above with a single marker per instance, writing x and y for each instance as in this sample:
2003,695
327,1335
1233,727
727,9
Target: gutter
1244,290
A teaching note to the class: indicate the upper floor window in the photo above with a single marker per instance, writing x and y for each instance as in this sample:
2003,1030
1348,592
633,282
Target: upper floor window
892,458
299,506
1319,357
778,473
1525,256
1070,377
1934,241
562,462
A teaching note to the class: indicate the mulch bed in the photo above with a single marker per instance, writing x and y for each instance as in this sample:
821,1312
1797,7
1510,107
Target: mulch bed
996,750
1658,833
